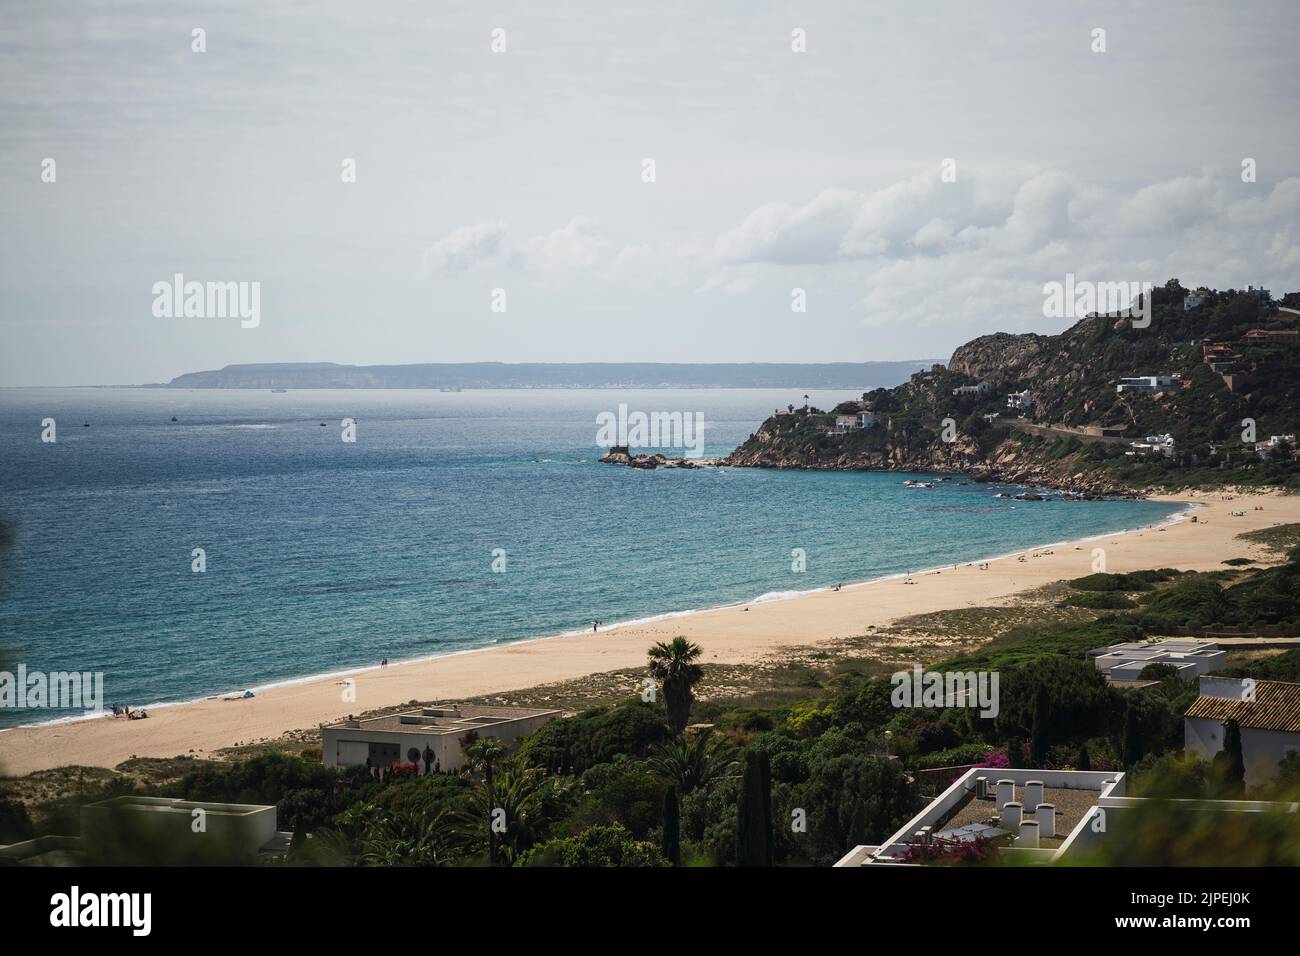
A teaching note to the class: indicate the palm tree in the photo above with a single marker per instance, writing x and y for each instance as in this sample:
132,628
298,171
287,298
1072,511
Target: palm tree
523,793
692,762
408,838
484,752
673,666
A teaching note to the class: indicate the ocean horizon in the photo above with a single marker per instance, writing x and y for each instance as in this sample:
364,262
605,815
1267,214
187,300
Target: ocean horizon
325,556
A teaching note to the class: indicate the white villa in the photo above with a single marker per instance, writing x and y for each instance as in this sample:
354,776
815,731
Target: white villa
1153,445
1033,816
1196,299
848,423
979,389
1190,657
1020,400
1145,383
1267,711
1265,448
430,738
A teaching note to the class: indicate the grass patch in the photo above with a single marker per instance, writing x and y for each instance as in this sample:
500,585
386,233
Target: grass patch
1281,538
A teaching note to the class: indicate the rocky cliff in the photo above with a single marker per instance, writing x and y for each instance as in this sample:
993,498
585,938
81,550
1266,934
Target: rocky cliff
1078,433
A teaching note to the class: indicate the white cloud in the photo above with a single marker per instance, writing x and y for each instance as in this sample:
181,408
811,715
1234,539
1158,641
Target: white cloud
464,247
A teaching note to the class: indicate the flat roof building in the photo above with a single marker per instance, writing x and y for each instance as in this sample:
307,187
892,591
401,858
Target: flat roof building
1031,816
431,738
1189,657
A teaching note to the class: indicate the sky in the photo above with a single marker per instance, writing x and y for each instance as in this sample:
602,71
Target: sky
918,170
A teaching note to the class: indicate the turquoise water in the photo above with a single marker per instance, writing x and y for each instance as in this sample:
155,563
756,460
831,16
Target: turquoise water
323,555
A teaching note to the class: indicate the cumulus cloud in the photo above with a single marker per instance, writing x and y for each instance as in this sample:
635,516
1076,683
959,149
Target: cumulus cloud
976,253
464,247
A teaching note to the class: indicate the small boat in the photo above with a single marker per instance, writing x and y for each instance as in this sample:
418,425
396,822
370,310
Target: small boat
279,391
917,484
173,418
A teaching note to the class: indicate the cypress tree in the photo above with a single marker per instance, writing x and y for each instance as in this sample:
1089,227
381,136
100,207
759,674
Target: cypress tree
754,848
672,827
1232,762
1039,741
1084,762
1132,737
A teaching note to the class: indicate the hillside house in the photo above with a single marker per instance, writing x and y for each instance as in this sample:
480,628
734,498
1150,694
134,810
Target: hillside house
1267,711
1145,383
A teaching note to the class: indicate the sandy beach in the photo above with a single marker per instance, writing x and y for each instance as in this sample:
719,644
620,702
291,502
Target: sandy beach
730,635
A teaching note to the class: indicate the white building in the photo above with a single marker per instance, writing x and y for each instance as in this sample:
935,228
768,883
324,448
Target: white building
1267,711
979,389
1032,816
132,830
1145,383
1196,299
1190,657
1020,400
848,423
1264,449
430,738
1153,445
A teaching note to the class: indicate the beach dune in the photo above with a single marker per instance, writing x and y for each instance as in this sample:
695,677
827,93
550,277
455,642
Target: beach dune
741,634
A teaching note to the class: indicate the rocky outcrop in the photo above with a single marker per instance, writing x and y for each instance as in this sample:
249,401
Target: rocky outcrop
1002,357
622,455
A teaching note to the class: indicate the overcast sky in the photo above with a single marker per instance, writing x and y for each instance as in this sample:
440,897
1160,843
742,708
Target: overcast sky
523,170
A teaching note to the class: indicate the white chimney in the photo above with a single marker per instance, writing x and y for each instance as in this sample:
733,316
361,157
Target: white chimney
1011,814
982,788
1033,793
1028,837
1046,816
1006,792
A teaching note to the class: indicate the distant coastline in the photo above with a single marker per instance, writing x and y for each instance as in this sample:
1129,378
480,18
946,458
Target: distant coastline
489,375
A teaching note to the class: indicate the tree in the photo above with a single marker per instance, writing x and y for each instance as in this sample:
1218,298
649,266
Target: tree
530,800
672,827
1083,762
484,752
1132,737
674,666
755,812
1230,762
406,839
596,846
692,762
850,797
1041,733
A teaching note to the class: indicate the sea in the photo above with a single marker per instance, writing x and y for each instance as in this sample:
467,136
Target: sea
188,543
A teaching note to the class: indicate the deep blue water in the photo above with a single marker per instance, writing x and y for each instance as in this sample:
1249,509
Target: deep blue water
323,555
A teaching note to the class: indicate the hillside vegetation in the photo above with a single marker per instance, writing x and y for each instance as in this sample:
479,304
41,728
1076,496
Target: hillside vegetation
1072,380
